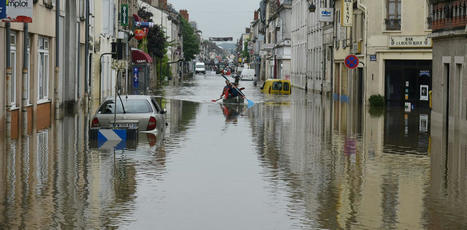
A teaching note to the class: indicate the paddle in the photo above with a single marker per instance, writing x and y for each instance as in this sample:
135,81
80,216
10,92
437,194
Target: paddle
250,103
216,100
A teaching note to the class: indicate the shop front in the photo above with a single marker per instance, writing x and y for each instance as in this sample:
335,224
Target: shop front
408,83
141,73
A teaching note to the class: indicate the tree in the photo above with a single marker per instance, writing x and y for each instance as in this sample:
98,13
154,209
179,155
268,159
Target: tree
157,42
191,42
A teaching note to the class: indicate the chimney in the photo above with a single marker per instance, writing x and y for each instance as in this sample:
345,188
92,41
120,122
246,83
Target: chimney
256,17
163,4
185,15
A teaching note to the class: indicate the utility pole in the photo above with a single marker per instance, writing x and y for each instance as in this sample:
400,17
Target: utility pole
25,83
86,60
7,82
57,85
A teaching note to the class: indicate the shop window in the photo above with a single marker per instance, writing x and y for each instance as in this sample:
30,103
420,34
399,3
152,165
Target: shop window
393,15
12,82
43,69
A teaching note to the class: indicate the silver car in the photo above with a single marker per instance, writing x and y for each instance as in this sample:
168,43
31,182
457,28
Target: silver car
132,110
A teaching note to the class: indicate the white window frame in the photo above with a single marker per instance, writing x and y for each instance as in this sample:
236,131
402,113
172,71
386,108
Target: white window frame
12,90
43,50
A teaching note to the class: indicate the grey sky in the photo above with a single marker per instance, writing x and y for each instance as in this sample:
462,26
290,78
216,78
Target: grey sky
219,18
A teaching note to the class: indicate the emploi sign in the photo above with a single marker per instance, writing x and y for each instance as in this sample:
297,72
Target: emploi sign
326,14
410,42
347,13
2,9
16,10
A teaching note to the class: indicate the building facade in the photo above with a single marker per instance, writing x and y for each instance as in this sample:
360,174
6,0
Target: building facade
449,112
391,40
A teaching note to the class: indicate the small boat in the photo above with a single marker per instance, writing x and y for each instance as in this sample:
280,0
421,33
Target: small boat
234,100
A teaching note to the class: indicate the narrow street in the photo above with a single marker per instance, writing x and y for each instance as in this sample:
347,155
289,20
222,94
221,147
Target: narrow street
290,162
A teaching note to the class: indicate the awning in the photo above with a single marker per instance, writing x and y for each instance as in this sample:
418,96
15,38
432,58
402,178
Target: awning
139,56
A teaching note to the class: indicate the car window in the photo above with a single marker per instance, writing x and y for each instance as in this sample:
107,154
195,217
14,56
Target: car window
286,86
130,105
277,86
156,105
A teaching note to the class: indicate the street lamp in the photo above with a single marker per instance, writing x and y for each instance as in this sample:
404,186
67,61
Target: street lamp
312,7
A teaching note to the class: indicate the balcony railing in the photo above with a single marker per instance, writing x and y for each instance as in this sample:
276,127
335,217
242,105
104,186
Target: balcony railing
393,24
450,15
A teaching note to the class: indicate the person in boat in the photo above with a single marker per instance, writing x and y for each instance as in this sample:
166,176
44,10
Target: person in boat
227,91
237,79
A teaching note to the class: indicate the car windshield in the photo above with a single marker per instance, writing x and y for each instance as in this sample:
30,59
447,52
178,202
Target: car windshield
130,105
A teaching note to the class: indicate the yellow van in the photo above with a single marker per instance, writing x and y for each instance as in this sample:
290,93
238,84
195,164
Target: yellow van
276,86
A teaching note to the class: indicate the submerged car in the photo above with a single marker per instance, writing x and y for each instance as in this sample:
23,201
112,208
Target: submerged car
140,110
276,86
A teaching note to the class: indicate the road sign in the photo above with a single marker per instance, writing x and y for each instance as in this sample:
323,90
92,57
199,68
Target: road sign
351,61
124,13
113,139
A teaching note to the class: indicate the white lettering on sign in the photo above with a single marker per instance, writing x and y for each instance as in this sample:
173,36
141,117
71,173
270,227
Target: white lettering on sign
410,42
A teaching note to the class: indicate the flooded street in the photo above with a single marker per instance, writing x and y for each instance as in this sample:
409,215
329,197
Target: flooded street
290,162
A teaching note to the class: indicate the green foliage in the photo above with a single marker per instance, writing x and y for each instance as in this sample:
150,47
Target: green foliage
376,111
376,101
157,42
246,53
191,42
166,71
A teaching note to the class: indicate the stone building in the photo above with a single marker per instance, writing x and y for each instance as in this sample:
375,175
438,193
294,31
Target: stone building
391,40
449,112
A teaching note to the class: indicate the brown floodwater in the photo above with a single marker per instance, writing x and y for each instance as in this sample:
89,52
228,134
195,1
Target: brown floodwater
290,162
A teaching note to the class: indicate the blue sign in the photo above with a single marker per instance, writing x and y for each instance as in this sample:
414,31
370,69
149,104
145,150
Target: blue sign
108,138
2,9
135,78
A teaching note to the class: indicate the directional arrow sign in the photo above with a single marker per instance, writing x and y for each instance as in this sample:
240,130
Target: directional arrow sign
124,15
111,139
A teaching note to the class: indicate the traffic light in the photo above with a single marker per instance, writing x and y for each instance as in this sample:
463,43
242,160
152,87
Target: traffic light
117,49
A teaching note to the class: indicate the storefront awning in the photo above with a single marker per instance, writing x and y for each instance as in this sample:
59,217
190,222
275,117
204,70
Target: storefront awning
139,56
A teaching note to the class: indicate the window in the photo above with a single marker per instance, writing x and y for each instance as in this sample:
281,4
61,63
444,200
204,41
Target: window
393,15
429,17
130,106
43,69
12,88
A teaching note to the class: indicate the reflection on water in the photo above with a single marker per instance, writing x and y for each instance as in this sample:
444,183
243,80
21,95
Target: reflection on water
298,162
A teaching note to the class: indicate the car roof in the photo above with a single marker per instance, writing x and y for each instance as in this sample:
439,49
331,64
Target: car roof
274,80
131,97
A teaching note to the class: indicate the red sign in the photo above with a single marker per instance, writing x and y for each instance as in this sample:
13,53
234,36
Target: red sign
351,61
139,34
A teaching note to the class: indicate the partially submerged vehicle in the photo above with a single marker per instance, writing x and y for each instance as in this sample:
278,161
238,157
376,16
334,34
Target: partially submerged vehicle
141,111
276,86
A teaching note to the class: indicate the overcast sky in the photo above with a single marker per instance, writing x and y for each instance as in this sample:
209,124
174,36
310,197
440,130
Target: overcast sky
219,18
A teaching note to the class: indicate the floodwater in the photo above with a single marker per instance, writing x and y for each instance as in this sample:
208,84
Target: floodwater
290,162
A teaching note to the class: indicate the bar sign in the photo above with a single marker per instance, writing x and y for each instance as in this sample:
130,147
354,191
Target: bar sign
347,13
